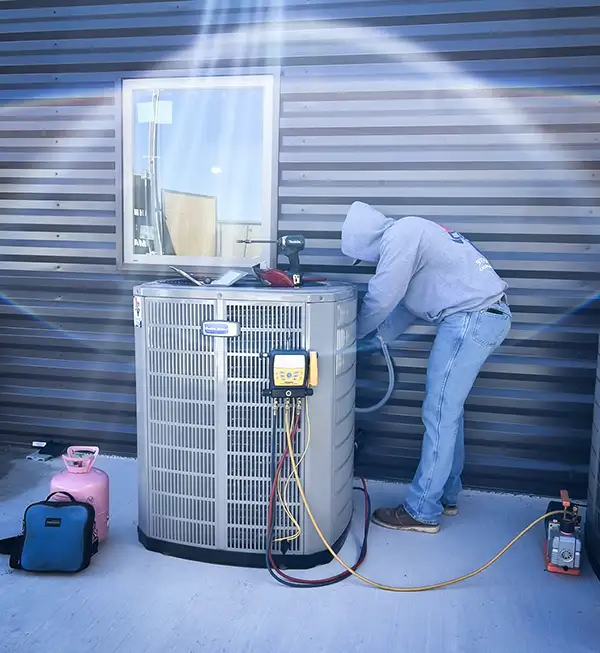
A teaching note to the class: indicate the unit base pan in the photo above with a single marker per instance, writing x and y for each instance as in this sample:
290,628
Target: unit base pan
240,559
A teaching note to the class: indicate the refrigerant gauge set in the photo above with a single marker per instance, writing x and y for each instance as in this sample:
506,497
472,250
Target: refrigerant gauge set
292,373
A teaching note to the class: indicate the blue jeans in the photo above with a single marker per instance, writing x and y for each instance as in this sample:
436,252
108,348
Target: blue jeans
463,343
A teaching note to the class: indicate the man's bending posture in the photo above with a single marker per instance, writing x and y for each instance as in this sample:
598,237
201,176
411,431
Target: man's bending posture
427,271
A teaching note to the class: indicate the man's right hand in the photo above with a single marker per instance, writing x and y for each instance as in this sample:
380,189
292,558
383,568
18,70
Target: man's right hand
368,345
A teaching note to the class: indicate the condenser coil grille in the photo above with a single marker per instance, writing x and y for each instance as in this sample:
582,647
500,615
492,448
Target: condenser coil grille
249,423
181,422
183,409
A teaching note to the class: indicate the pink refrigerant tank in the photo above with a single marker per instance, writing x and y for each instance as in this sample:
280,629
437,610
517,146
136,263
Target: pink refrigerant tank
86,483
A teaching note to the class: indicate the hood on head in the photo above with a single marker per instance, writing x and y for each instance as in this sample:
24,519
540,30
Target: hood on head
362,231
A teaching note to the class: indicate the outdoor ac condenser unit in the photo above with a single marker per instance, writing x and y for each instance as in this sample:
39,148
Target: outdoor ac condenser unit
204,427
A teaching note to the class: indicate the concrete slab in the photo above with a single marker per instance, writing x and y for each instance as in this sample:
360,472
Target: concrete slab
131,600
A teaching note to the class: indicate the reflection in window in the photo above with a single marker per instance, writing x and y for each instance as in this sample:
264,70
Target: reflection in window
197,158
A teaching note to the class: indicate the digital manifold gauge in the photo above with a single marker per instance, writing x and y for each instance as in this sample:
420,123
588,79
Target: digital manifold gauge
292,373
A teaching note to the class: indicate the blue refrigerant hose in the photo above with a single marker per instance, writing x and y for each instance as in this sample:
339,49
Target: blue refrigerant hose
391,381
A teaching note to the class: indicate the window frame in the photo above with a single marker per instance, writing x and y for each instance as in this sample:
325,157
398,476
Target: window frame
268,80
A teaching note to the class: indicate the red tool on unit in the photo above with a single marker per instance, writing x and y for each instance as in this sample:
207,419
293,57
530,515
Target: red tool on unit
290,246
280,279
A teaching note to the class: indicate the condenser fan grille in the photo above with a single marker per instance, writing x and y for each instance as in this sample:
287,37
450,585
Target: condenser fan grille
181,423
186,432
249,422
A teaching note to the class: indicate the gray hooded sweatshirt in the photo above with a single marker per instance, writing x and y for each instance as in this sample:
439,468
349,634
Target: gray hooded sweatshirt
424,270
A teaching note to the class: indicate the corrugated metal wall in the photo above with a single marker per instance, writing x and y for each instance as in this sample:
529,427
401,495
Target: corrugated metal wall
484,118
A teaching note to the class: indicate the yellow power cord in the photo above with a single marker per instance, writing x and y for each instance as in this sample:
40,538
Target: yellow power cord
390,588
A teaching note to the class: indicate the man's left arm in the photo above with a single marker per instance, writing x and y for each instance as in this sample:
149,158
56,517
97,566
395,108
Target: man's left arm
397,264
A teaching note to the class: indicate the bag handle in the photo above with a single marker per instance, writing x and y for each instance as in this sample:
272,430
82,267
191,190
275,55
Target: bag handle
73,499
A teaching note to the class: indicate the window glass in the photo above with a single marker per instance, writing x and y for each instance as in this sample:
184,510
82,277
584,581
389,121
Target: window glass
198,170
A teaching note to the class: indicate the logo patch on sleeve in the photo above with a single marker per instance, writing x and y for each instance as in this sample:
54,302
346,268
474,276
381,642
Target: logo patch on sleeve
456,237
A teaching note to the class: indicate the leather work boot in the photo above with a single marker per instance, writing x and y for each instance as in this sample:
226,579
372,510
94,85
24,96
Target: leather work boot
398,519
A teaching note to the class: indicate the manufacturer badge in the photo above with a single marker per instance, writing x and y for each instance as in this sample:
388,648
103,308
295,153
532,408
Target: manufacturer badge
221,329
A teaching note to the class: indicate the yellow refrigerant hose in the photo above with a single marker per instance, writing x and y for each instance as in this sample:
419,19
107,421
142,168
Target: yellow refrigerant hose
390,588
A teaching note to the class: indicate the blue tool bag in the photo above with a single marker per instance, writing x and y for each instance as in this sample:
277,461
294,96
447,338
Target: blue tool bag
57,537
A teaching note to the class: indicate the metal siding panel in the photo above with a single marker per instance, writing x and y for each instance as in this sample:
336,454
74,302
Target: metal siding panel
479,117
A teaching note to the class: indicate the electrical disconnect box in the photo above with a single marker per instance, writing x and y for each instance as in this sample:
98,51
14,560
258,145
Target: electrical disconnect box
209,361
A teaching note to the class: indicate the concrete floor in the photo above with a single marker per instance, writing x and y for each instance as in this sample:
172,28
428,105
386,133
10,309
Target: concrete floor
131,600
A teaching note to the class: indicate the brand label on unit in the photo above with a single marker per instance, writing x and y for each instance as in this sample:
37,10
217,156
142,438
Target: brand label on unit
221,329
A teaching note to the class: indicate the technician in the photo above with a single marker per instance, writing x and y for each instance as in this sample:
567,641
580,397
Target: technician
427,271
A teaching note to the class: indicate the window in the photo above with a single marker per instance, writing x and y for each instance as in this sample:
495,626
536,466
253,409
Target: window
198,170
